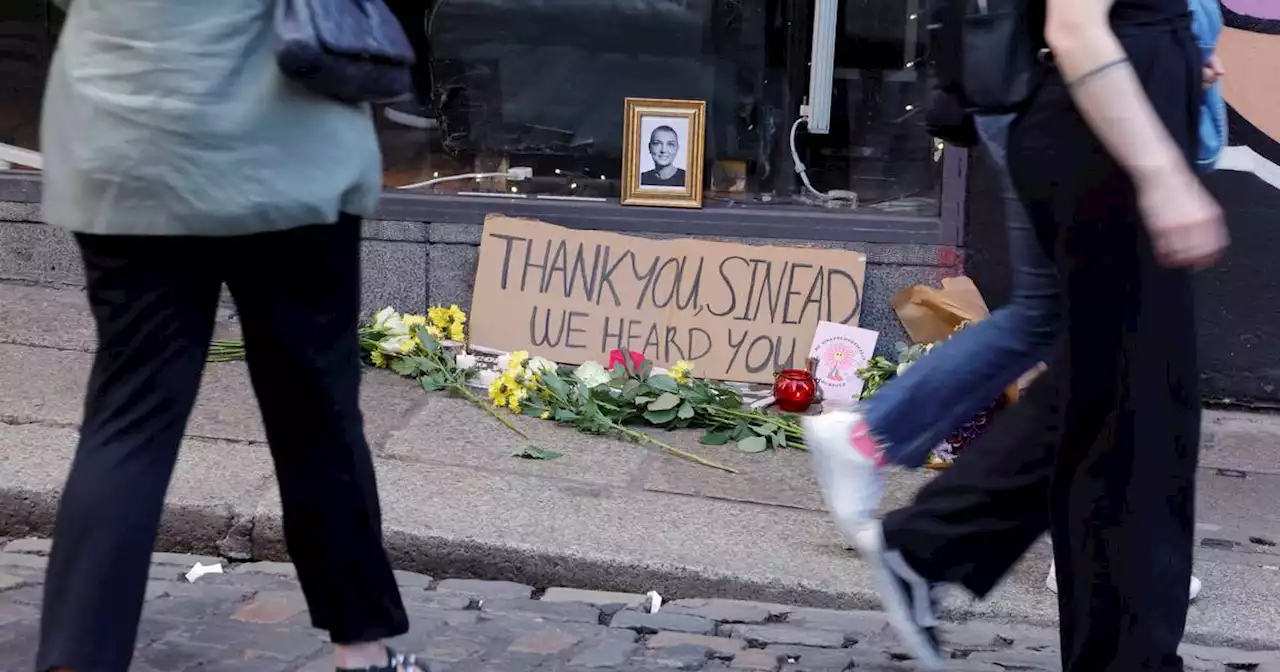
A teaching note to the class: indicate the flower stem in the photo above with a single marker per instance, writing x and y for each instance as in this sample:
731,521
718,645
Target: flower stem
462,390
641,437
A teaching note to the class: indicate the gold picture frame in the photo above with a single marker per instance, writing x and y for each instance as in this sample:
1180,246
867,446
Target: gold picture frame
663,144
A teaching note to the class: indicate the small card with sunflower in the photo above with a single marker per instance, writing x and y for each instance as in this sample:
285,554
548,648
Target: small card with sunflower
841,350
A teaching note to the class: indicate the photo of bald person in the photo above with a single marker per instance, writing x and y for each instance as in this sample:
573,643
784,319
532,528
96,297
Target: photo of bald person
666,163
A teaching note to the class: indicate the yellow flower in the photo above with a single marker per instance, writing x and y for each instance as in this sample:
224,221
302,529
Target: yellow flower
680,371
546,415
434,332
456,333
518,358
513,401
457,315
379,359
439,317
408,346
412,321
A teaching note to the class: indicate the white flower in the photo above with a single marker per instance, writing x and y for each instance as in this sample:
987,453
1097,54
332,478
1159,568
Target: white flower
381,317
485,377
394,345
902,368
540,365
465,361
592,374
504,361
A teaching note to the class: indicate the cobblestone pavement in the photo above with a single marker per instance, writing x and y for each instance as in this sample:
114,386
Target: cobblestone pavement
252,618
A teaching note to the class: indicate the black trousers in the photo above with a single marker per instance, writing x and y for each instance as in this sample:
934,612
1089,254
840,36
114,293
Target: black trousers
1103,449
154,300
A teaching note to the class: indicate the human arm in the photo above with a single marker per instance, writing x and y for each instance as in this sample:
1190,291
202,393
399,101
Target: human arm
1184,221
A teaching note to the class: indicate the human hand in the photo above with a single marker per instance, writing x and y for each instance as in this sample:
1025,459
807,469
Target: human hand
1212,71
1186,224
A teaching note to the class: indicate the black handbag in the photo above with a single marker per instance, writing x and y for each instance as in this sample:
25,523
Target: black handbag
1003,55
351,50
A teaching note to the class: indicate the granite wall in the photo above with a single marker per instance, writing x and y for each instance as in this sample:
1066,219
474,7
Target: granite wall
411,265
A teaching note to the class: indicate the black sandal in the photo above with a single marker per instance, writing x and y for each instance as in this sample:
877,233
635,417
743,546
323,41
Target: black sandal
399,662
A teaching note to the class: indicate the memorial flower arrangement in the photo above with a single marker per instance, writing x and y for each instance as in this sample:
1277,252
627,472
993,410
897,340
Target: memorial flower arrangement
608,399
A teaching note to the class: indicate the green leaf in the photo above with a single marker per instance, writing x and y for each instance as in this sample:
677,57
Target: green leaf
741,431
405,367
666,402
780,439
664,383
762,429
715,438
536,453
753,444
431,385
565,415
556,384
686,411
660,417
642,400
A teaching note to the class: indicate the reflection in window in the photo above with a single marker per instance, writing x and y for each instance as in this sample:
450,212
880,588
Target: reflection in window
26,43
541,84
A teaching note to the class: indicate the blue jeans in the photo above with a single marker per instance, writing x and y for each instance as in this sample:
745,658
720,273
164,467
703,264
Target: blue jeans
960,377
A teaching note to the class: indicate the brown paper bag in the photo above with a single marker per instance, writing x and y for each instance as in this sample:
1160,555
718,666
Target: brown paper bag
932,315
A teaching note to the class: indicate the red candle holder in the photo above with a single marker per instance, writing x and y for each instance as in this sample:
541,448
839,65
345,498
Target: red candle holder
795,390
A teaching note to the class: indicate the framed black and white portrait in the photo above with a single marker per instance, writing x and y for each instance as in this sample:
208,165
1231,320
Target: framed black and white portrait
662,152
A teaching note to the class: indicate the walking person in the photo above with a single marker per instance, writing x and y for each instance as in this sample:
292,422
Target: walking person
1108,437
182,159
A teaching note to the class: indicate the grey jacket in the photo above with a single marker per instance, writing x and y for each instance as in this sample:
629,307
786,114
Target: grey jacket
170,117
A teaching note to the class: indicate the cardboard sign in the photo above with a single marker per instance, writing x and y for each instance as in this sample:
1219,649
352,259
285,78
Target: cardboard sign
841,350
738,312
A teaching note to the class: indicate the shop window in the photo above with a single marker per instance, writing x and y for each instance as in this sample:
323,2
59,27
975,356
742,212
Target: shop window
541,84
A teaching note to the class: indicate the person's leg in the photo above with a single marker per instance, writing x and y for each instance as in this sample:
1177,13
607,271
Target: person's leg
913,413
300,330
964,374
1124,496
153,301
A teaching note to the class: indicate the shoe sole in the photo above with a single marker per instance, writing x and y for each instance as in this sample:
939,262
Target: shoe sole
895,603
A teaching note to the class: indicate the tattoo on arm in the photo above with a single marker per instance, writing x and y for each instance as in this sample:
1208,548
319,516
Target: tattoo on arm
1075,83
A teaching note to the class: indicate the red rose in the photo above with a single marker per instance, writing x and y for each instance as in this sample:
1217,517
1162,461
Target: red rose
617,358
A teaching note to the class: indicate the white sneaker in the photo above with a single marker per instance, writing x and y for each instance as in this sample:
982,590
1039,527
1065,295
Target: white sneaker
851,481
910,602
1051,582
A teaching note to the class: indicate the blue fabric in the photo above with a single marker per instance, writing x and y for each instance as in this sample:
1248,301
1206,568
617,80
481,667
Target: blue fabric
916,411
1206,24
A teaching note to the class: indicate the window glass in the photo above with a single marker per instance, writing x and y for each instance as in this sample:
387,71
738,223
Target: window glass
541,84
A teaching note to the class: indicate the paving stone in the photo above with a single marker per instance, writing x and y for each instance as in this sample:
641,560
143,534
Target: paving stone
721,645
272,608
285,569
23,560
606,654
972,638
764,635
809,659
729,611
32,546
595,598
755,659
648,624
8,581
439,601
486,590
1019,660
545,643
185,560
413,580
450,649
550,611
858,624
681,657
1232,658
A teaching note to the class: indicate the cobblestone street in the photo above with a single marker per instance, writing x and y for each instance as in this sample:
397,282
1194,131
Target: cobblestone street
252,618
